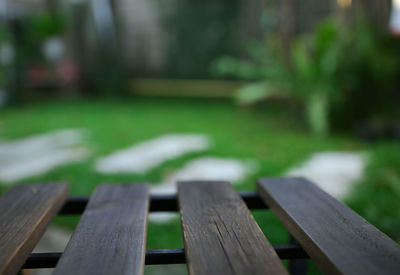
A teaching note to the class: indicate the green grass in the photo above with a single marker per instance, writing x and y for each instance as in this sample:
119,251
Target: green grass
377,196
267,134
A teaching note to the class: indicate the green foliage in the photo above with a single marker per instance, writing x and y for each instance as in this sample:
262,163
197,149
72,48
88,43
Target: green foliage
368,75
255,92
243,69
317,113
314,61
33,31
5,40
310,78
199,31
44,25
340,74
377,197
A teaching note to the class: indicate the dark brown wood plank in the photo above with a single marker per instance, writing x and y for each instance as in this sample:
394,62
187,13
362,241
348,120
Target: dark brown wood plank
220,234
335,237
25,212
111,235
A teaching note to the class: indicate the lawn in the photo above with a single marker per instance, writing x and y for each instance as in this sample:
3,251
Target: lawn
268,134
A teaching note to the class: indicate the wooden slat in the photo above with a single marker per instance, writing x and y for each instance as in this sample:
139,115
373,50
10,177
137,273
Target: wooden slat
335,237
111,235
25,212
220,234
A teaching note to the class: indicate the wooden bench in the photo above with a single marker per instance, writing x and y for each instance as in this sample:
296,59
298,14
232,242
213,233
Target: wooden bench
220,234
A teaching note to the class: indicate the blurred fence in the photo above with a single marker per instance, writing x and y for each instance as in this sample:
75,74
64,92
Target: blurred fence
61,43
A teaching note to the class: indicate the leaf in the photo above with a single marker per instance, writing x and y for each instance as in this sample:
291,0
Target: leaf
255,92
317,111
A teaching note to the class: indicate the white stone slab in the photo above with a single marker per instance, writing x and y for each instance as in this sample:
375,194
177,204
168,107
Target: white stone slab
204,168
207,168
147,155
334,172
40,164
39,154
40,144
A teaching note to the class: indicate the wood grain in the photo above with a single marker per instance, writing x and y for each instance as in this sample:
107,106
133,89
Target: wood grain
25,212
220,234
111,235
335,237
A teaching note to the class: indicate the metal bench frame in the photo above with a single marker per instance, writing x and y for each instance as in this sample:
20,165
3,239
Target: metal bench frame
75,205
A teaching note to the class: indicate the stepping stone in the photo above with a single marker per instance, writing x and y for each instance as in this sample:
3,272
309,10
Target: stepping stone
39,154
41,143
205,168
149,154
334,172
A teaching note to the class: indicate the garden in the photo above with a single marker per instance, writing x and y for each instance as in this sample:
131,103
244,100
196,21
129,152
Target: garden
321,104
270,137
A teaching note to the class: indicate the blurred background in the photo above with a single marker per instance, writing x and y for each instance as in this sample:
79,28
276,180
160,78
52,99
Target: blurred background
104,91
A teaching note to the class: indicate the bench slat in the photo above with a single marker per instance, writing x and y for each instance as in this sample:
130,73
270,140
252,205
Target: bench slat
25,212
110,237
220,234
335,237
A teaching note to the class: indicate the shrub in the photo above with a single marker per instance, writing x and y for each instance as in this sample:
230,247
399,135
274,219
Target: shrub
341,74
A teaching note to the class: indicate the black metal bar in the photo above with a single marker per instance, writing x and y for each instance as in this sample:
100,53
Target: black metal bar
42,260
76,205
158,256
290,251
252,200
165,256
163,203
297,266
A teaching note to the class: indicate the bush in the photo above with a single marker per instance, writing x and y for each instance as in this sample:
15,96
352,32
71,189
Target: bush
377,197
341,74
